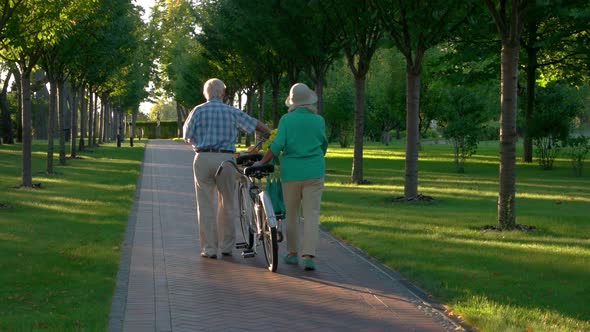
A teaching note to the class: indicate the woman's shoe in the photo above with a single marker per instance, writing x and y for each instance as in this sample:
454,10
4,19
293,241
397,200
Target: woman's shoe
291,259
308,264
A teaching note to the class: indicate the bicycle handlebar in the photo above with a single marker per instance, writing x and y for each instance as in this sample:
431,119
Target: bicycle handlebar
257,171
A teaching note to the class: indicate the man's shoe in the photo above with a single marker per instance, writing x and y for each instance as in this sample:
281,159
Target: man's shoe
290,259
308,264
213,256
226,253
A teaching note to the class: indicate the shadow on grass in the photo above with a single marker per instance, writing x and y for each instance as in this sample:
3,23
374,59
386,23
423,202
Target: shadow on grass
537,272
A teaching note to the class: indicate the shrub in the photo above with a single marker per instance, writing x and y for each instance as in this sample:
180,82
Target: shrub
168,129
462,121
557,106
578,148
547,149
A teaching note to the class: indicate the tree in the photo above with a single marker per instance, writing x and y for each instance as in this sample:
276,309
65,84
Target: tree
317,42
462,121
54,62
509,19
549,126
6,132
360,35
166,110
555,44
386,94
415,27
29,32
247,42
339,104
7,10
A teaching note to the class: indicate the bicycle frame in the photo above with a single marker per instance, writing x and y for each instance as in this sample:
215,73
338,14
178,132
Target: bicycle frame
263,221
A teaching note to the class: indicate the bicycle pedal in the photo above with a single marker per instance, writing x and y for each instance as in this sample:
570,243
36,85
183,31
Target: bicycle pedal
248,253
241,245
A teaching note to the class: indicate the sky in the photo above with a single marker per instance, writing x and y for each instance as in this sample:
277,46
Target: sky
147,6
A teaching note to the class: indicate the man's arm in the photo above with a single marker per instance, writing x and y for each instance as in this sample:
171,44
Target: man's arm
261,127
187,130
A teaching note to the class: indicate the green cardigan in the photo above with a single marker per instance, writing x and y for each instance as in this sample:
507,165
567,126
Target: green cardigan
301,137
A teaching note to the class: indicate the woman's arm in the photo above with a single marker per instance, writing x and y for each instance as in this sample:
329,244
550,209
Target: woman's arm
266,158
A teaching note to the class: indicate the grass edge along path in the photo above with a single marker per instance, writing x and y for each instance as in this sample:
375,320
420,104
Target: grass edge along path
495,281
61,243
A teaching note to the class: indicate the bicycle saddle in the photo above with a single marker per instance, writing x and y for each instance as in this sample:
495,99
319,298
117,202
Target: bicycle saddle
248,159
259,171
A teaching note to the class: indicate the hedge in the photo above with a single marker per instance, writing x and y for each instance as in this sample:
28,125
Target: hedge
168,129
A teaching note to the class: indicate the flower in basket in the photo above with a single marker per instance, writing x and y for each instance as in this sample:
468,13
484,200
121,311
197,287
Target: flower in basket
269,140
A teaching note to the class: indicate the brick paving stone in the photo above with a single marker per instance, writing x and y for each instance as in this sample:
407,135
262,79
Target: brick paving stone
164,285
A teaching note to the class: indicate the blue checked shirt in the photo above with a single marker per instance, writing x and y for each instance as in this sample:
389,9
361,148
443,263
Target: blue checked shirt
215,125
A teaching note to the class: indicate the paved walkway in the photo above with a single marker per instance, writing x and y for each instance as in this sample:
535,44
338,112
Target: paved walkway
164,285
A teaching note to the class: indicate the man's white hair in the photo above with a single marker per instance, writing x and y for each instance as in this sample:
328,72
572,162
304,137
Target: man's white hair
213,88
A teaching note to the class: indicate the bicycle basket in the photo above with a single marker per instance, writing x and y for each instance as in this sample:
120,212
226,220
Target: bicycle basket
275,191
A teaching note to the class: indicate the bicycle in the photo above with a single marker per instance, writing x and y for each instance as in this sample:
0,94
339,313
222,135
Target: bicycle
258,221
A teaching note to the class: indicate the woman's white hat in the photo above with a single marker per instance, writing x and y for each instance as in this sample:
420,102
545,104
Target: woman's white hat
300,94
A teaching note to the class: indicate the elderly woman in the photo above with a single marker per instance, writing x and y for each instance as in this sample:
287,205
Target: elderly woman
301,137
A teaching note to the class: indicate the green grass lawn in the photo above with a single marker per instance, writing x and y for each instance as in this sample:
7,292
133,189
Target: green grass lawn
496,281
60,244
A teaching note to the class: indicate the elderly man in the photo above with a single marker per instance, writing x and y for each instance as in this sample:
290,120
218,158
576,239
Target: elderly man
211,128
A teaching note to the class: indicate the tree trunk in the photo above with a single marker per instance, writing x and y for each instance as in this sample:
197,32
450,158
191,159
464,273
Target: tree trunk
73,121
132,129
509,77
261,101
412,131
19,101
119,121
61,120
179,120
319,90
90,117
6,122
385,137
275,104
359,123
27,177
112,115
509,28
94,119
83,117
318,74
108,128
102,121
250,111
51,124
530,103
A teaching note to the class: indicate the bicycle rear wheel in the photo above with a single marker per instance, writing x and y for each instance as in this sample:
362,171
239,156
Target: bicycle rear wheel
245,205
269,242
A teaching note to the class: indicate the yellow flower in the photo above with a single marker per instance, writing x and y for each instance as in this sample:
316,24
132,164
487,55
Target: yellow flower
269,140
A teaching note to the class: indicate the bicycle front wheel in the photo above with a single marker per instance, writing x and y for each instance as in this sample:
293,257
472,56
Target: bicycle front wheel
246,215
269,241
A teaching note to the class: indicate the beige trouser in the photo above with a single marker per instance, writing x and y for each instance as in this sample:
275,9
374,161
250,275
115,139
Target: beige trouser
306,196
216,202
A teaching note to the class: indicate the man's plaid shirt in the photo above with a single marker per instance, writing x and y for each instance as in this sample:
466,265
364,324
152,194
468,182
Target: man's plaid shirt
215,125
